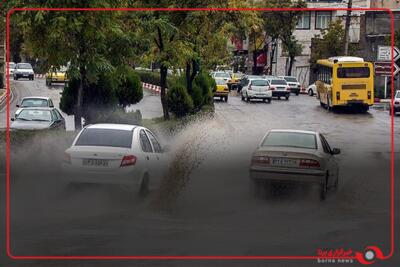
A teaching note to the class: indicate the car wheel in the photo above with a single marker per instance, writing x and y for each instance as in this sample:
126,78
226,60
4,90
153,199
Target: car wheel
310,92
264,100
247,98
32,78
144,188
279,98
287,97
323,188
269,100
297,93
336,185
226,98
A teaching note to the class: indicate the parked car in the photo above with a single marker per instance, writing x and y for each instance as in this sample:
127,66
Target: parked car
295,156
222,90
256,88
293,84
11,68
279,88
56,75
115,154
38,118
234,81
34,101
24,70
395,103
312,89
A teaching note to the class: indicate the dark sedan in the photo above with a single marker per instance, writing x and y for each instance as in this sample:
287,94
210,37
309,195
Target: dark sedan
38,118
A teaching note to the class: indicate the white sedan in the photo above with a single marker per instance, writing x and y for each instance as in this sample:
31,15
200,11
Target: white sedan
312,89
295,156
115,154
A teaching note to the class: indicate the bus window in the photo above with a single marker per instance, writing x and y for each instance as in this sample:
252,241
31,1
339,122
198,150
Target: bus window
355,72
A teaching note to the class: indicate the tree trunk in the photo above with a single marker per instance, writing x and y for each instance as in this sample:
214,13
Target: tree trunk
163,84
271,60
188,80
255,62
291,60
78,107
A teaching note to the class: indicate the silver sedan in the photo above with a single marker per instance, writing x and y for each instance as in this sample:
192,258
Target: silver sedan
295,156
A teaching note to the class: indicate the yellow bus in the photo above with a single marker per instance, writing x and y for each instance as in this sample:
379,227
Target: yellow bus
345,81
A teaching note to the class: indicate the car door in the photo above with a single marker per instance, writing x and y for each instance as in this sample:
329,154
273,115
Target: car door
147,151
159,163
332,165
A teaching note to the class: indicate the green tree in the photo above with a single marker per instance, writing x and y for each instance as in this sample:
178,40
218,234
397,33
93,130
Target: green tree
281,25
93,43
329,43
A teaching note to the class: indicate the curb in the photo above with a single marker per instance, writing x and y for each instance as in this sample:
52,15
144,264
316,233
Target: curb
153,88
3,99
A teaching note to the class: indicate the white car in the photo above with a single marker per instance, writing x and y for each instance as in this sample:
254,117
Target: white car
279,88
295,156
34,102
115,154
24,70
11,68
395,103
256,88
221,75
293,84
312,89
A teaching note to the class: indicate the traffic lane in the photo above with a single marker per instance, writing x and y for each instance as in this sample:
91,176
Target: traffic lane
215,213
37,87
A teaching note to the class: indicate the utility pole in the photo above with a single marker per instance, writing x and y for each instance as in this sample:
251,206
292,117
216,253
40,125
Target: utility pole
347,27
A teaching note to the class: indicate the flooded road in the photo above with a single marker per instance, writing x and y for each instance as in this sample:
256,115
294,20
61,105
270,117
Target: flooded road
214,213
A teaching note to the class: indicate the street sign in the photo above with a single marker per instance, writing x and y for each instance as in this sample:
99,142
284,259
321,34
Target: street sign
385,69
385,53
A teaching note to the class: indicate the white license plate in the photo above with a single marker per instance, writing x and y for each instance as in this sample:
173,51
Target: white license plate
95,162
284,162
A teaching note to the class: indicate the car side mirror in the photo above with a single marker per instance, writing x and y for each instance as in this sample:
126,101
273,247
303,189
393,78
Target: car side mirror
166,148
335,151
17,105
12,119
51,106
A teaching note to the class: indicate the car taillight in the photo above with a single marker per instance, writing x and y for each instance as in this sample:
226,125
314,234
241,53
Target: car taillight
128,160
299,86
288,88
309,163
250,87
67,158
272,88
263,160
397,102
337,95
369,94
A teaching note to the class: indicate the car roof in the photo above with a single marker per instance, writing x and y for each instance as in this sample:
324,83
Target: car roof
36,108
293,131
257,78
36,97
115,126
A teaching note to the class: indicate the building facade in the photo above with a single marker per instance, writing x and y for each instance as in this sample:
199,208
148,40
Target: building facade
310,24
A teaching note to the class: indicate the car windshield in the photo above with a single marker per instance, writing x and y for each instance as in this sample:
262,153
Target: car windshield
222,75
355,72
34,115
291,79
24,66
259,82
291,139
278,82
220,82
34,103
105,137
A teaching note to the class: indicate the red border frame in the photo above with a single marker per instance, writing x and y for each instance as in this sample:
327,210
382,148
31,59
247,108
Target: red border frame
204,257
